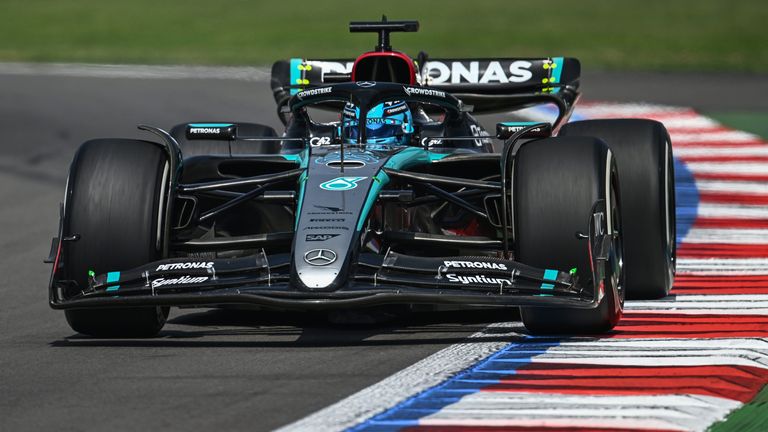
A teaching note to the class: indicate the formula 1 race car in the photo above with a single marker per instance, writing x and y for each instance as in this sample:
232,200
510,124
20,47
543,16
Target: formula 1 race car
383,189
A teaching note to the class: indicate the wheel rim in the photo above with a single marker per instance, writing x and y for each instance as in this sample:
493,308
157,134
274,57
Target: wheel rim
669,198
617,259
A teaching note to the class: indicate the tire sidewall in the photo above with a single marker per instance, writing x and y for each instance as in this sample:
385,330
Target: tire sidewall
114,209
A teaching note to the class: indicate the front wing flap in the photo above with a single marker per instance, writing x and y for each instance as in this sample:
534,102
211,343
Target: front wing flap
263,280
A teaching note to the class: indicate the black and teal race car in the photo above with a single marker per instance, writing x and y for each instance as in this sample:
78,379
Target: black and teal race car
560,219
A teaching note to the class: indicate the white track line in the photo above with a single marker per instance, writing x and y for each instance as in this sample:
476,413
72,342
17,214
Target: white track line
749,150
696,311
723,266
706,137
749,236
743,302
728,167
685,122
652,357
260,74
732,211
562,424
733,187
751,344
606,110
683,412
421,376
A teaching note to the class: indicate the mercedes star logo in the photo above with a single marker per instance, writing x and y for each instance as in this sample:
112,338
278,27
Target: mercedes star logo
366,84
320,257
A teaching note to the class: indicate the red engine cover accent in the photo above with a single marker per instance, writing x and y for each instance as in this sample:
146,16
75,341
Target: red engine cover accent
406,59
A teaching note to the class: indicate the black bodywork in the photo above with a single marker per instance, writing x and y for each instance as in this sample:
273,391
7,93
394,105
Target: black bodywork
323,223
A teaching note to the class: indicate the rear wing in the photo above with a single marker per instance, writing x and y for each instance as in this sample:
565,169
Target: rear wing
490,85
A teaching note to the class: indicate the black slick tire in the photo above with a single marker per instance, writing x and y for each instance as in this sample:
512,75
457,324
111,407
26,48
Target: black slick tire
113,205
557,185
643,153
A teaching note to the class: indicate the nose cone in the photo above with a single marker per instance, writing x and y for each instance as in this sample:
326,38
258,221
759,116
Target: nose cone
321,272
318,277
326,233
332,202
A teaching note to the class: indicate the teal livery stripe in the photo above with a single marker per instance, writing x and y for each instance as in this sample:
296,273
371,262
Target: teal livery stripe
300,158
557,70
379,180
302,183
519,123
111,278
548,275
437,156
303,160
407,157
295,74
204,125
292,157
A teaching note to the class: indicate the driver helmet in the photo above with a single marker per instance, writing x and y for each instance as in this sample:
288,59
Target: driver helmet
386,123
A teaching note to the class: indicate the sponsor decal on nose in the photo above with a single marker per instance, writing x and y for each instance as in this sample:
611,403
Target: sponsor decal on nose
341,183
320,257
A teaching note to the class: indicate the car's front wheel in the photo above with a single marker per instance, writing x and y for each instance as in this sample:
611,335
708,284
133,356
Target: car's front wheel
558,185
114,213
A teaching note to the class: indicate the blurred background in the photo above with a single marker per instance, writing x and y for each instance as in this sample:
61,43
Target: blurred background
676,52
662,35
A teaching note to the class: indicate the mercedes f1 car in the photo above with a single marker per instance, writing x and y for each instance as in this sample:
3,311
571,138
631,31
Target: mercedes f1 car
382,189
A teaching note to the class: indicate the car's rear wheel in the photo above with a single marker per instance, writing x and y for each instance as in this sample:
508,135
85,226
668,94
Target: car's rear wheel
558,184
203,147
643,152
114,212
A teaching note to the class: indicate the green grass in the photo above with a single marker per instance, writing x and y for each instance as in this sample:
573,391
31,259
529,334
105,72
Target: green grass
752,417
755,122
717,35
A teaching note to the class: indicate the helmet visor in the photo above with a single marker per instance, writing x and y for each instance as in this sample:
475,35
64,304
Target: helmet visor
377,130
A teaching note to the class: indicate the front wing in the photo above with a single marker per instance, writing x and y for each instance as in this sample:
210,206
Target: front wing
264,280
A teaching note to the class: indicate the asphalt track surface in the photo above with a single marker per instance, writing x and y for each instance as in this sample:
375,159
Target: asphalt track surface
208,369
